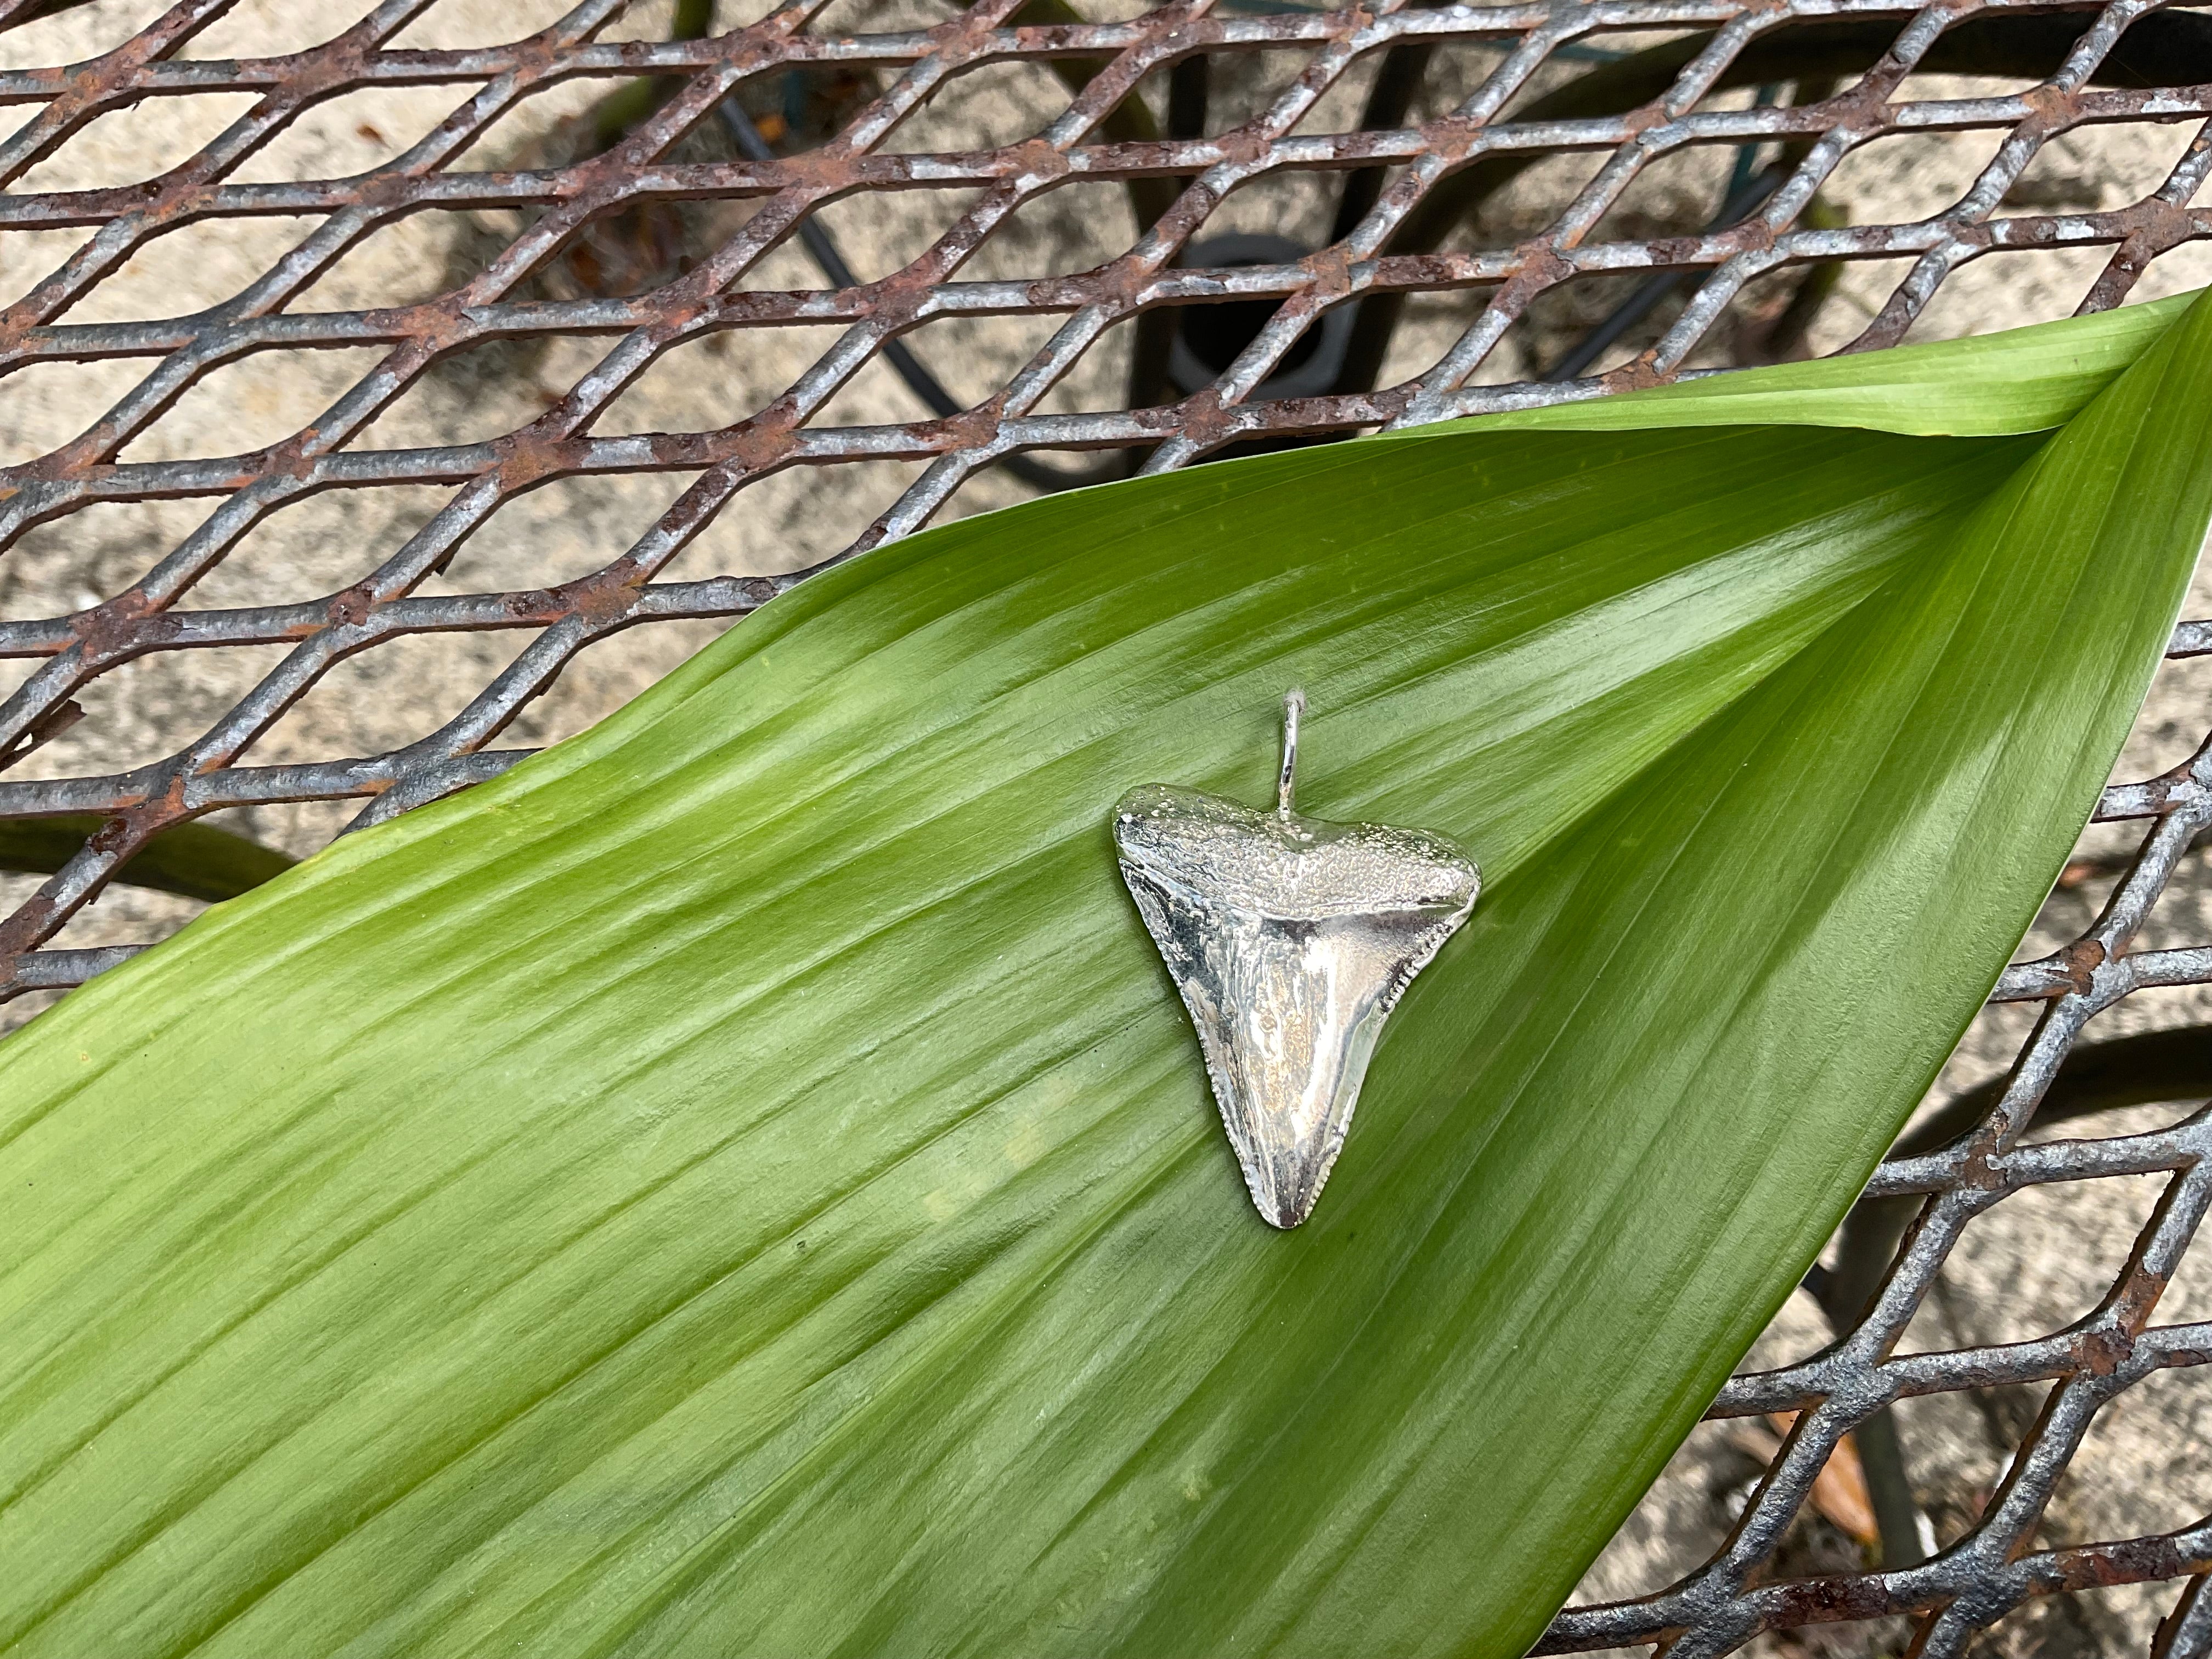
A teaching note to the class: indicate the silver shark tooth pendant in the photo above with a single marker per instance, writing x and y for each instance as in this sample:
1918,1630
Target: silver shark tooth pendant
1290,941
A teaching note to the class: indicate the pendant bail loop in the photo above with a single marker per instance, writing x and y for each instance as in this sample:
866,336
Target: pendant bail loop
1294,704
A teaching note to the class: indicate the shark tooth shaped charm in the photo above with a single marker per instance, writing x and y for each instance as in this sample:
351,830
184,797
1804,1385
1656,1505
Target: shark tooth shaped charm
1290,941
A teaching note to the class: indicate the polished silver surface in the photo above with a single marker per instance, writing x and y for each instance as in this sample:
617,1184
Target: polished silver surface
1289,941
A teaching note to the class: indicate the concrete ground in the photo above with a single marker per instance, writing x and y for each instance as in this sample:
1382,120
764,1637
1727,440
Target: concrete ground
2036,1262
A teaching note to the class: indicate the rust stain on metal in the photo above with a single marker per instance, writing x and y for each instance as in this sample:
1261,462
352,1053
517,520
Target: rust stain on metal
525,459
1638,374
759,445
2079,962
1331,269
2136,1299
1040,158
351,608
121,628
1541,267
2103,1351
112,836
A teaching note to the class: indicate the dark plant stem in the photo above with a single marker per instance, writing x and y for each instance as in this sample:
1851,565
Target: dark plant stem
1742,202
1897,1517
195,860
1785,337
1748,189
1188,85
1389,100
621,111
1128,122
1152,336
39,9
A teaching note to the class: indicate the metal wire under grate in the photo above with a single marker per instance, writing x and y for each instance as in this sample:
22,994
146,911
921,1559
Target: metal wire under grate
664,208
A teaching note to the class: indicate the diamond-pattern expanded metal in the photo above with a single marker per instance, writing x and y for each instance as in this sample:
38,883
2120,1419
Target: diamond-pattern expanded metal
1648,90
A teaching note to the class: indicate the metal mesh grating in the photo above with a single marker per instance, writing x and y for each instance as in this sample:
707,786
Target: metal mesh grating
1630,85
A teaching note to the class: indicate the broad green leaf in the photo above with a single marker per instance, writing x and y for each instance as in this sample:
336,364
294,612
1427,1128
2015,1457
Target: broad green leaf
2026,380
741,1183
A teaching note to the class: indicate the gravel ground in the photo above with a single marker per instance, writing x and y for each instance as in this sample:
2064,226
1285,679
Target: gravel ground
2031,1265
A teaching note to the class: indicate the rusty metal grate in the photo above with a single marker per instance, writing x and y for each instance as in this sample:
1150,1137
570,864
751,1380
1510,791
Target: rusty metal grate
1633,87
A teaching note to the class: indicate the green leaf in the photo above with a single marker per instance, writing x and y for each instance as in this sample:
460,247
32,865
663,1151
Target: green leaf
2026,379
741,1183
197,860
